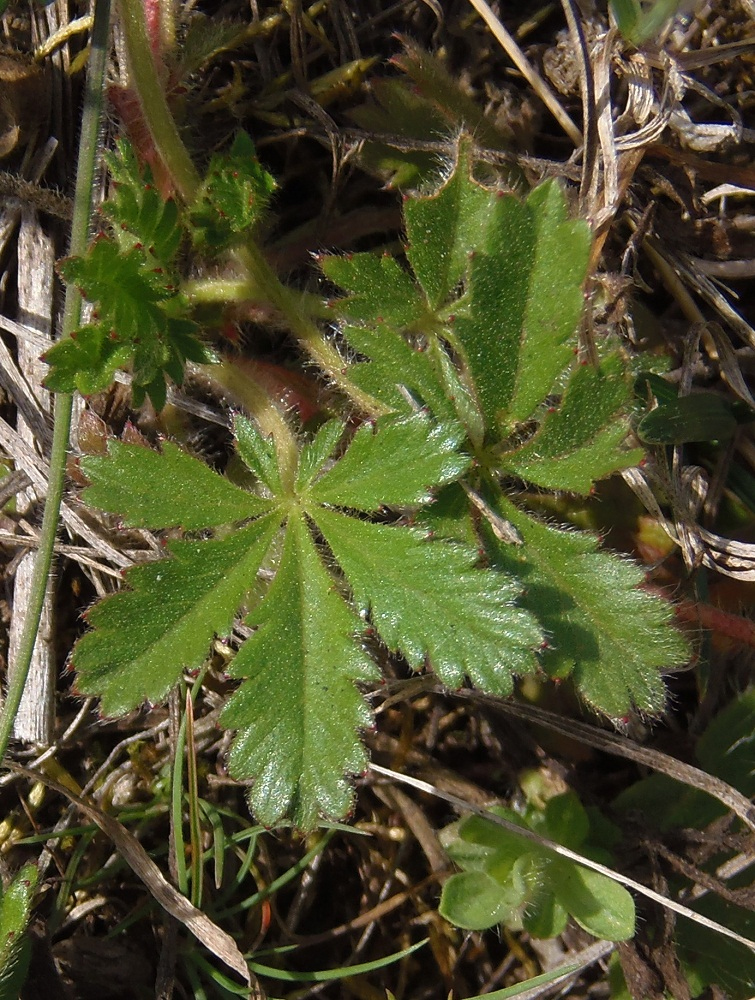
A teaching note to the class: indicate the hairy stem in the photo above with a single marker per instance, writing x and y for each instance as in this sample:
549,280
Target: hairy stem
151,93
321,351
82,210
177,161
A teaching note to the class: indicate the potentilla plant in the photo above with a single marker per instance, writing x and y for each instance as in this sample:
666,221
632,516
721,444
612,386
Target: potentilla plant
461,383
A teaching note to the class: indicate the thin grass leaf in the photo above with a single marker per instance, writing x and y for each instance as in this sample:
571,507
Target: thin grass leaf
329,975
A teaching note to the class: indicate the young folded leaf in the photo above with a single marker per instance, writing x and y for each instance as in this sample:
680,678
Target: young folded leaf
131,275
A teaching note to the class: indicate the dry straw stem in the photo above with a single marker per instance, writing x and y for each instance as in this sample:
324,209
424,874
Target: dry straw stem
621,746
534,79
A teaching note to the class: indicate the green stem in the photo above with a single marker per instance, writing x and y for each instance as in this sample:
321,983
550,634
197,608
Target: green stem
225,291
82,211
309,335
263,410
177,161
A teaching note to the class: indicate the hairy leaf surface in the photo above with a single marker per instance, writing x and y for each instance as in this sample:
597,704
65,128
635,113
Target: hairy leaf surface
426,600
600,626
393,464
143,638
297,712
165,490
579,441
524,302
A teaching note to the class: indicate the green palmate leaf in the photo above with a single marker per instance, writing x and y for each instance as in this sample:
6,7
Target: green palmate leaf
144,637
524,302
450,516
500,281
138,319
427,601
298,710
15,943
167,490
579,441
232,198
601,628
393,463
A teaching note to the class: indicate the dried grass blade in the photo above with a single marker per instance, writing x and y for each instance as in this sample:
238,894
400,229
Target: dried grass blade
515,54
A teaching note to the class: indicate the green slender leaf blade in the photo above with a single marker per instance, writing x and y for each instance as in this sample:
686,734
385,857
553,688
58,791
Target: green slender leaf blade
529,984
144,637
598,904
579,441
394,462
429,602
612,636
380,290
328,975
445,227
15,944
298,710
525,301
172,489
627,14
